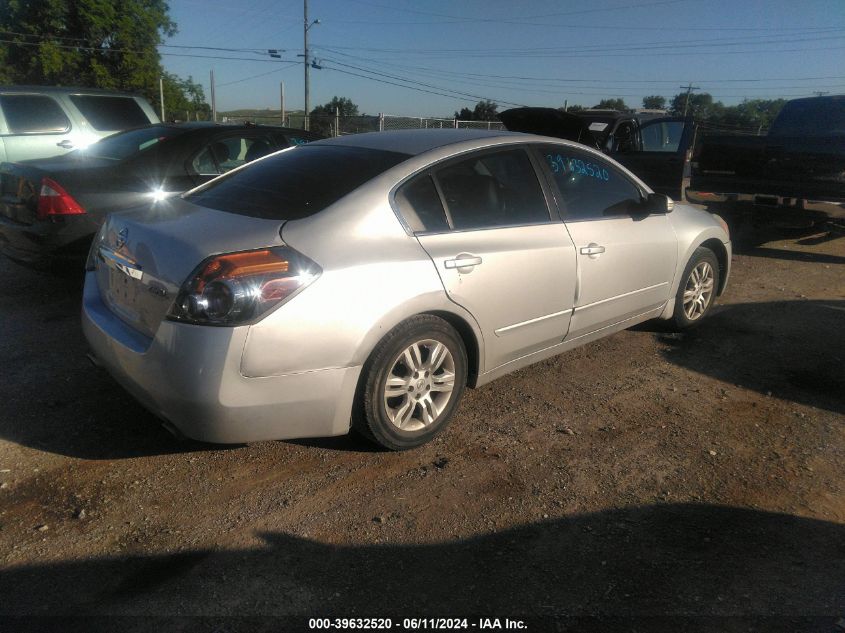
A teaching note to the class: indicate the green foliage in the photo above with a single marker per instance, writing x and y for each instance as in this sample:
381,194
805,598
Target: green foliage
464,114
575,108
183,98
484,111
654,102
344,106
751,114
108,44
701,105
611,104
322,117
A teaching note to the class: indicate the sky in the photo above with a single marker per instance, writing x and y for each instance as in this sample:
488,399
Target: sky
433,57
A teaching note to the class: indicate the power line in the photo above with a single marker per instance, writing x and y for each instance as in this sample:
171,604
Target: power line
269,72
574,51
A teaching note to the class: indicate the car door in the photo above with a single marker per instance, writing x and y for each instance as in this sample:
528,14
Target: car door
34,126
488,229
625,258
661,156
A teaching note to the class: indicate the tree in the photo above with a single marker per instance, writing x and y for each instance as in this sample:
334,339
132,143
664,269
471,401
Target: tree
701,105
465,114
344,106
183,96
323,117
110,44
575,108
484,111
654,102
611,104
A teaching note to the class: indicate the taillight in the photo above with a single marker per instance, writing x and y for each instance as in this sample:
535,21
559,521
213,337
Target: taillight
235,288
55,201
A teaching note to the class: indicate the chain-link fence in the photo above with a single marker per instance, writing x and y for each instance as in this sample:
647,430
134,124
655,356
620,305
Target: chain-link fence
342,125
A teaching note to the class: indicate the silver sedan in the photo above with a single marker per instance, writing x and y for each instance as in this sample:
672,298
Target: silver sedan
364,282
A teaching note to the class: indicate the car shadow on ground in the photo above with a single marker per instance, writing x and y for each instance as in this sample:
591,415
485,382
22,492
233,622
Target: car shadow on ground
672,567
793,350
51,397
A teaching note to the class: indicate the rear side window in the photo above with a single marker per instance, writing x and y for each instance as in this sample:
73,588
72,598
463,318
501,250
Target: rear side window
590,189
110,113
420,205
296,183
126,144
493,189
224,154
33,114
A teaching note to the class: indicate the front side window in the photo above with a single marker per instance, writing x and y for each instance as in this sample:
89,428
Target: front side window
590,188
106,113
493,189
33,114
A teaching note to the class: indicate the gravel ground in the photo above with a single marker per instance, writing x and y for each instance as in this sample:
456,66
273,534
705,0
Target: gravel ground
692,482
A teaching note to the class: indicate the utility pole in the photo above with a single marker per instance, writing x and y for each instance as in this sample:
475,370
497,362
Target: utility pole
161,92
213,101
689,89
307,66
282,86
306,26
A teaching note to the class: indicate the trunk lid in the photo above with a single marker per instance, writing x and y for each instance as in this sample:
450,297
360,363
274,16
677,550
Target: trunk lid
20,186
144,255
20,183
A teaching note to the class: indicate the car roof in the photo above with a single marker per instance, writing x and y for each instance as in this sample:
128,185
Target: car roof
414,142
71,90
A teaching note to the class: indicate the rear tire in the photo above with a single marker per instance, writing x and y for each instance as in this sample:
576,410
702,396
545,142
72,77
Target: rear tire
411,384
697,290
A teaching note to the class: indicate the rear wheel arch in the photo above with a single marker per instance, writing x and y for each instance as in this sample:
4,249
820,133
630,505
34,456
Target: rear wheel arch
471,342
373,419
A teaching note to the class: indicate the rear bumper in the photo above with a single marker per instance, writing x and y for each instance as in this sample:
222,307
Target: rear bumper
43,242
833,209
190,376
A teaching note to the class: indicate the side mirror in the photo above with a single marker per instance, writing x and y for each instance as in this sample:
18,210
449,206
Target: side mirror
658,203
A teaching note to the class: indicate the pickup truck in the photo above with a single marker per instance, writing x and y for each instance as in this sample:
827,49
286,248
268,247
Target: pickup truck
797,171
654,147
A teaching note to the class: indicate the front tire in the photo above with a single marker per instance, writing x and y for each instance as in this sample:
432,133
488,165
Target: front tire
412,383
697,290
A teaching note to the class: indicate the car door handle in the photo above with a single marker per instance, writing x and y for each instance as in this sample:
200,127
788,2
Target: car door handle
65,144
462,261
592,249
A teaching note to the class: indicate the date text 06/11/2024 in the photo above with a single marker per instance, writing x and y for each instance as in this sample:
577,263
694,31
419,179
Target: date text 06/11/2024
417,624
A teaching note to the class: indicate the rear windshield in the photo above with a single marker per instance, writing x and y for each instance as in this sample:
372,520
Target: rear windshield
296,183
125,144
811,117
110,113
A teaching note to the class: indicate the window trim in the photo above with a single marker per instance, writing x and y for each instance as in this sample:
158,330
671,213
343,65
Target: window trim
433,168
61,107
558,195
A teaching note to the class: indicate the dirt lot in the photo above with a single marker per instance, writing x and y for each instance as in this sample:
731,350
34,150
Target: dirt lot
696,478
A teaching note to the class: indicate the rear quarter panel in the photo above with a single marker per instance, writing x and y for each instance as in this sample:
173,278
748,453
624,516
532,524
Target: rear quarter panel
374,277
